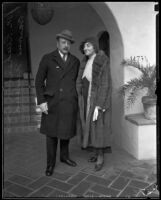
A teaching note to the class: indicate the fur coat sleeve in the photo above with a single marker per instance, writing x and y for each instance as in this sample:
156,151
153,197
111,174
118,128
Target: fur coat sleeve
104,87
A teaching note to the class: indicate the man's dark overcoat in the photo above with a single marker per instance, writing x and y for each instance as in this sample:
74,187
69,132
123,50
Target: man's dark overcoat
56,84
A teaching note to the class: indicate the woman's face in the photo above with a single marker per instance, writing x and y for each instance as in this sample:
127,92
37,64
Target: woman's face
88,49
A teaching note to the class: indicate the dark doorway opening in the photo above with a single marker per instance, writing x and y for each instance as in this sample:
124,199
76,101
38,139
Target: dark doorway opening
104,42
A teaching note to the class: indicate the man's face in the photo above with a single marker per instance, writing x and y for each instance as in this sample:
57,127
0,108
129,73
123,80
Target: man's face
63,45
88,49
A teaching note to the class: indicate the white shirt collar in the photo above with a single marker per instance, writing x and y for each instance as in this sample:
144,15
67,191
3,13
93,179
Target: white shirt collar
61,54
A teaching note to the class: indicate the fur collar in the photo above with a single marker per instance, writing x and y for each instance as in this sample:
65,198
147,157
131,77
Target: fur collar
99,59
98,65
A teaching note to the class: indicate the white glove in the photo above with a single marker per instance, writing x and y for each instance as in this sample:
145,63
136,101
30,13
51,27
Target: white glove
95,114
44,107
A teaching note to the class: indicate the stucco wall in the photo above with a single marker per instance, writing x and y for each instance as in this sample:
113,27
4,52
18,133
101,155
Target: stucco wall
136,22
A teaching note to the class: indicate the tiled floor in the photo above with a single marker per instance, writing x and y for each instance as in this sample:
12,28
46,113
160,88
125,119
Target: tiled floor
25,162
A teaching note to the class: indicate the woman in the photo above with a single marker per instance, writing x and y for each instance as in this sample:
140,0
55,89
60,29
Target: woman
94,93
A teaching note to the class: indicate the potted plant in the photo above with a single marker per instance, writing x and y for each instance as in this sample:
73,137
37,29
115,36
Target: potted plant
132,88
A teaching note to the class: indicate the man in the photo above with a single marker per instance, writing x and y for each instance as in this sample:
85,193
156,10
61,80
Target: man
57,97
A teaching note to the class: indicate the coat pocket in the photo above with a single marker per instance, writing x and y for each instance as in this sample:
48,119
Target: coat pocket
49,93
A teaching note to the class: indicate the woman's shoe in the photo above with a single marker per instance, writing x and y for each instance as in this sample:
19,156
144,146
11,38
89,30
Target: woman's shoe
99,166
100,160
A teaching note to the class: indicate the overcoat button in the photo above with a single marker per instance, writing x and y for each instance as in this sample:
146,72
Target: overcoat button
61,90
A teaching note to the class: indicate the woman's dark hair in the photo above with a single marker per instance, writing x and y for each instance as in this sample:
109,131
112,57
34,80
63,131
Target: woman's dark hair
91,40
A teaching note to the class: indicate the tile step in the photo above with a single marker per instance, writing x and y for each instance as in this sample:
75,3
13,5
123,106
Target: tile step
21,118
18,91
19,108
21,114
18,83
21,124
18,100
5,86
23,129
19,95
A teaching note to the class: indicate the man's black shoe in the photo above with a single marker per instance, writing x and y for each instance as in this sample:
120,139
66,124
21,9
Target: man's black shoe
69,162
49,170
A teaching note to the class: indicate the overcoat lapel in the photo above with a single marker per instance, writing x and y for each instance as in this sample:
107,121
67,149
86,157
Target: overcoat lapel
57,58
65,66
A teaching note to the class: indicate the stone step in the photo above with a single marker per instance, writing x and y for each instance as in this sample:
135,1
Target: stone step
21,129
22,113
9,120
21,124
19,100
18,91
19,87
20,95
18,83
20,108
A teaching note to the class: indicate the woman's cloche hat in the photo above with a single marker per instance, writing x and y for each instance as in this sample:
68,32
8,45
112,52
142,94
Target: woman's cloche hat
91,39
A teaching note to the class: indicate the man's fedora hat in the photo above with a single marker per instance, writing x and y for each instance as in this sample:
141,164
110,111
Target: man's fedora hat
66,34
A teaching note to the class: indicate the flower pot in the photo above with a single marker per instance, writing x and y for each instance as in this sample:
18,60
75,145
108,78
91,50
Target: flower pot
149,104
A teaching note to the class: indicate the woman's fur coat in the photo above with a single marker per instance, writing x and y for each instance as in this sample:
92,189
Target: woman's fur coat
98,133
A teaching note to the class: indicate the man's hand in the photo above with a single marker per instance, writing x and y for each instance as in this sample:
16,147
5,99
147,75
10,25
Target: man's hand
95,114
44,107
